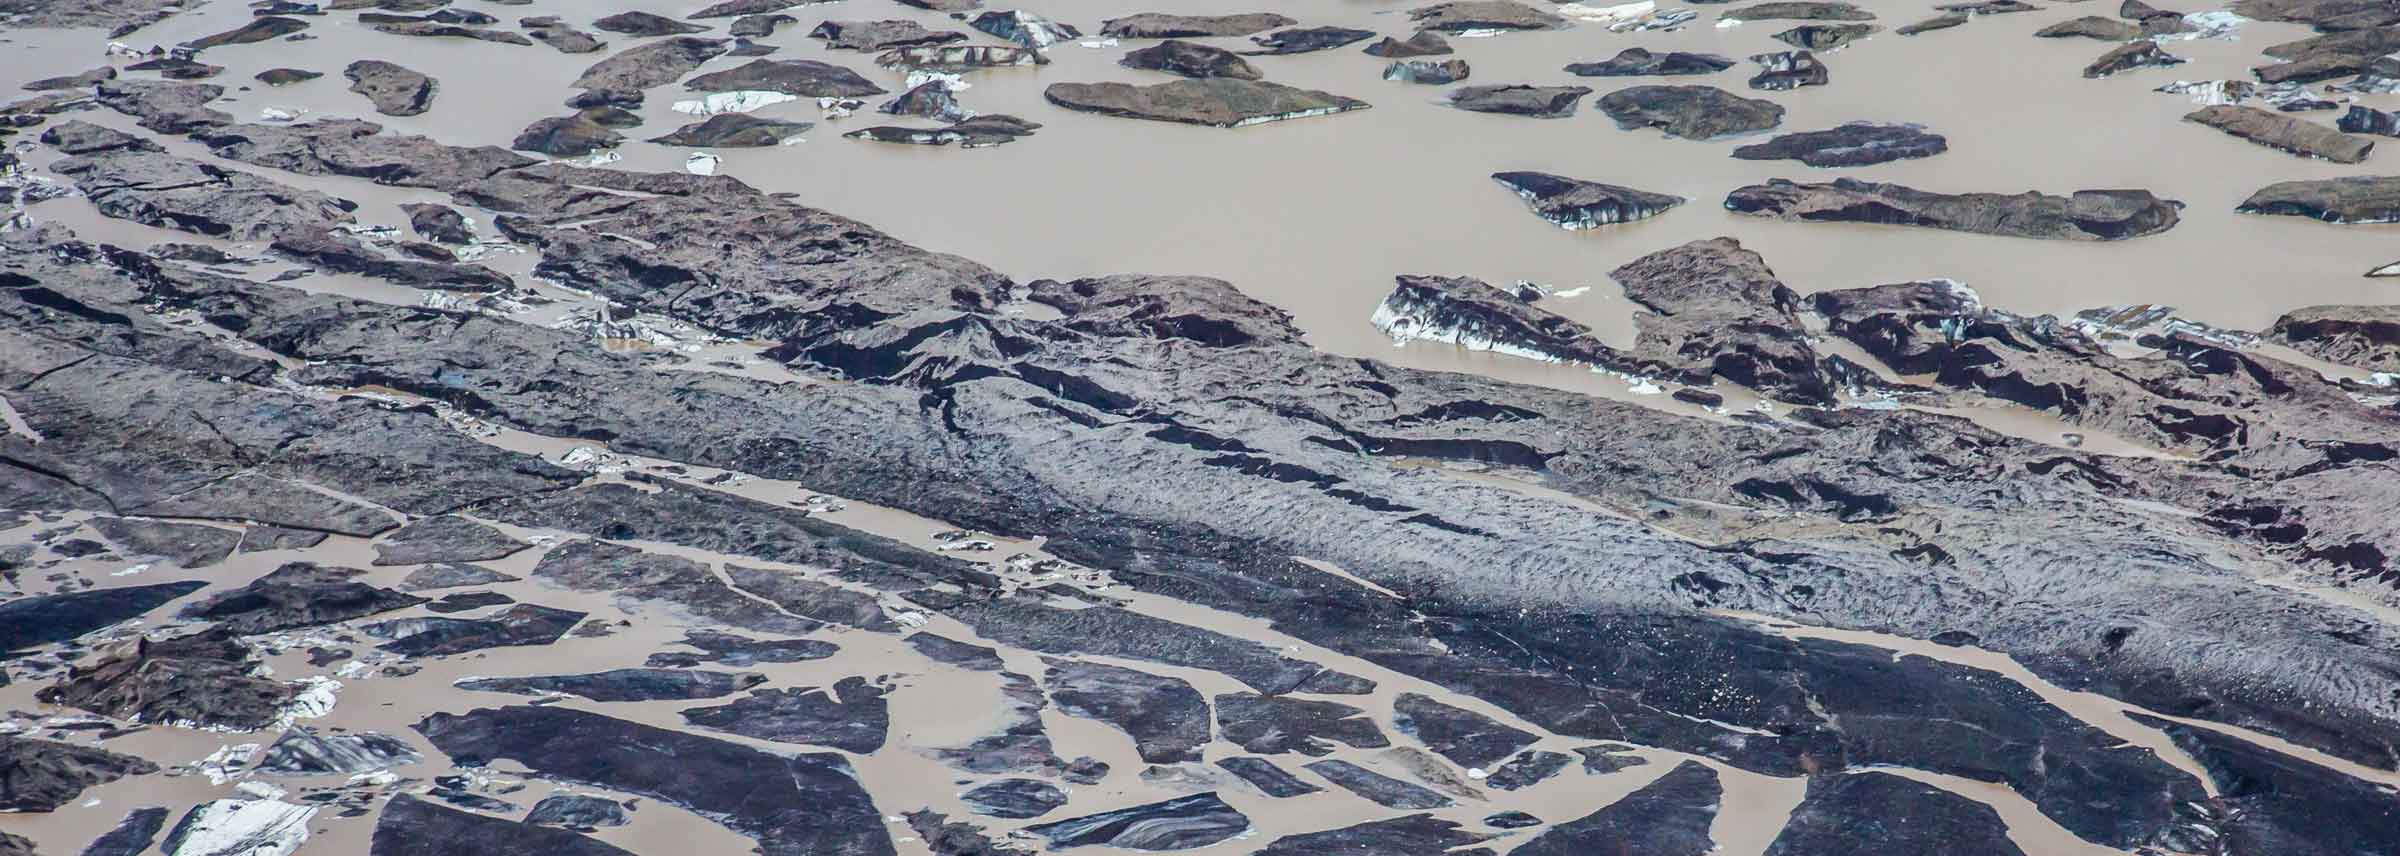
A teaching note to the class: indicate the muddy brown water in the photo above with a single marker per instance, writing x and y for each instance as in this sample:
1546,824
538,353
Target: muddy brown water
1317,215
1314,216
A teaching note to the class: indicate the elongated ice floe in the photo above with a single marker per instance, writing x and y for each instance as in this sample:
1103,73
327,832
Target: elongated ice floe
1573,204
740,101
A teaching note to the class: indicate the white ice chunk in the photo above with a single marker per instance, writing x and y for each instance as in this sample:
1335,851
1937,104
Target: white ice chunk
1620,13
315,699
237,827
740,101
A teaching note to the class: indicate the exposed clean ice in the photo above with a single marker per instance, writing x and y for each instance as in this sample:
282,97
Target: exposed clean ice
740,101
240,827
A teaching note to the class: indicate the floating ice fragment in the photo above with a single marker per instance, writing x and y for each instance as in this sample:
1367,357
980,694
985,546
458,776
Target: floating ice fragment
238,827
1619,13
2209,25
740,101
701,163
226,763
316,698
919,77
280,114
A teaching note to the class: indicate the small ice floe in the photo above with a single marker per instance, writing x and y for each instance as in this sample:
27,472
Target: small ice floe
960,539
1666,19
1096,44
580,456
821,502
840,108
601,158
372,232
2374,81
240,827
910,619
1410,316
480,249
2135,321
2209,25
919,77
489,304
1623,17
1483,33
1577,291
257,790
315,699
701,163
1607,14
280,114
1025,28
2392,269
740,101
1530,291
226,764
2210,93
135,569
127,51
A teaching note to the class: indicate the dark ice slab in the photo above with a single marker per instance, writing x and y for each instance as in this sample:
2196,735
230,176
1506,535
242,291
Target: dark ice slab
1668,817
624,684
799,805
1183,823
